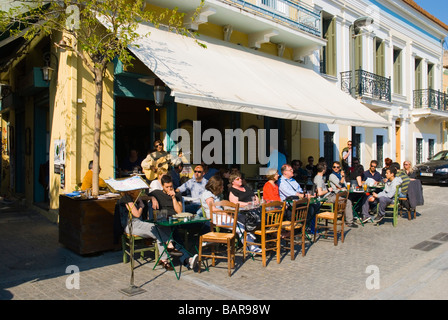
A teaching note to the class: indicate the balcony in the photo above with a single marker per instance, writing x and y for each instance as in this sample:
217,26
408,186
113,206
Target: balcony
430,104
432,99
294,14
366,85
291,23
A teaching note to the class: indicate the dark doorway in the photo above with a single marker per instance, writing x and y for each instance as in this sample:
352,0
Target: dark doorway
132,128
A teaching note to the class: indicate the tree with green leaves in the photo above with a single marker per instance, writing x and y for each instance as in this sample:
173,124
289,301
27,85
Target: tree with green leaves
95,44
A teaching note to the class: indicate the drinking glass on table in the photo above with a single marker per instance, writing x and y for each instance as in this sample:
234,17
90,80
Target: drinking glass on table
348,186
364,187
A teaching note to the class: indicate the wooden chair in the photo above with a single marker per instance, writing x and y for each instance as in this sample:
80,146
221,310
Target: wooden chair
224,219
270,232
338,214
392,207
296,225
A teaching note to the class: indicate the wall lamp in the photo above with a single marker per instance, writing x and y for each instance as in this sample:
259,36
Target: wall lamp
47,70
159,92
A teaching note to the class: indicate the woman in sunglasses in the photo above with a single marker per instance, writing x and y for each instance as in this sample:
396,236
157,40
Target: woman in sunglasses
240,193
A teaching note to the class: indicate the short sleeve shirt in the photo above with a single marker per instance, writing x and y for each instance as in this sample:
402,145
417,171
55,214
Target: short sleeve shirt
165,201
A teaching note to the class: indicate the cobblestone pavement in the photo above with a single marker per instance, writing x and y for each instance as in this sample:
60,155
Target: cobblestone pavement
33,265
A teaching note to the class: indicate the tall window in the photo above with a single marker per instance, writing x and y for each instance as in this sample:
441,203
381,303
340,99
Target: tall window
397,71
329,147
419,150
430,76
380,150
328,62
379,57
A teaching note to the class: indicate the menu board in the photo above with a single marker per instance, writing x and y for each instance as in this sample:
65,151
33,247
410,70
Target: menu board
127,184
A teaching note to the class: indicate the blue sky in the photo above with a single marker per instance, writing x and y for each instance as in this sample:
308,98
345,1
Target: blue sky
438,8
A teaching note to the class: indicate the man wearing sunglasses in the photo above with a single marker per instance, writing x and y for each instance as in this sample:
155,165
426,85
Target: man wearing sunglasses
154,160
372,173
330,195
194,188
337,177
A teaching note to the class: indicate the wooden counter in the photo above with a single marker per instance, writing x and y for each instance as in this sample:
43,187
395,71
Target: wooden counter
86,225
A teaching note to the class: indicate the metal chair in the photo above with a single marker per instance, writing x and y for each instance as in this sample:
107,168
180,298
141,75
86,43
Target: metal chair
296,227
392,207
224,219
338,214
270,232
128,243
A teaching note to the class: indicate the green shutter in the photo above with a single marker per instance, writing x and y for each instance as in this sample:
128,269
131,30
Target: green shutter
430,76
379,58
331,48
397,72
418,74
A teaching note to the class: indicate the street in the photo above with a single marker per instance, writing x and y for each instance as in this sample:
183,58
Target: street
407,262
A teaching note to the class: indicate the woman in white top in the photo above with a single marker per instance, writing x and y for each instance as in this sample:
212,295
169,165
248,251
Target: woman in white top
213,189
157,184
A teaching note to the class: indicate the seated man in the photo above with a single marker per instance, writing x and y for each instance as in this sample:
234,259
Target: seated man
287,185
384,198
330,196
194,188
289,188
337,177
355,173
87,180
372,173
300,174
168,199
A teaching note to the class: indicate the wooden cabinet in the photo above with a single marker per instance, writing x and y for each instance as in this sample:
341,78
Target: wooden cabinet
86,225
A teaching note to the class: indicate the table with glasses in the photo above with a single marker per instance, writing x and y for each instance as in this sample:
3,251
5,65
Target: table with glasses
174,223
359,194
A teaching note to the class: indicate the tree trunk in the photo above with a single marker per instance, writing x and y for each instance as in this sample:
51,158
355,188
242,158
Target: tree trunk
97,130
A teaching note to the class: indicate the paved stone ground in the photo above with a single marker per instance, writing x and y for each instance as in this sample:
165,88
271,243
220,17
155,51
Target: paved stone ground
33,265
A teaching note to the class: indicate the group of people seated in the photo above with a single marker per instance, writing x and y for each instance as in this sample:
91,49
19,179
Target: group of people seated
198,194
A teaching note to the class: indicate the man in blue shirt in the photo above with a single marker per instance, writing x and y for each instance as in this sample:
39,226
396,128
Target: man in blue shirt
194,188
287,185
372,173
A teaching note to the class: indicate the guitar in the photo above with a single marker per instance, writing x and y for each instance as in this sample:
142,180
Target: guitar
163,162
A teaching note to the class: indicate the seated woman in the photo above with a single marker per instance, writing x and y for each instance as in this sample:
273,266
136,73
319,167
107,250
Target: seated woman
142,228
213,189
270,188
239,193
157,183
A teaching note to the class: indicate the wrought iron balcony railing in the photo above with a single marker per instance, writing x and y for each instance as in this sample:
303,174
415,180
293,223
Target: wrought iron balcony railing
429,98
366,84
292,13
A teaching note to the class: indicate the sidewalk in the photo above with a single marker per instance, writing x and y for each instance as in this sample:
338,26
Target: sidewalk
33,265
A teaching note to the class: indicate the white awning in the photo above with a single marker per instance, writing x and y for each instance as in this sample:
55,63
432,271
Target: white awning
230,77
